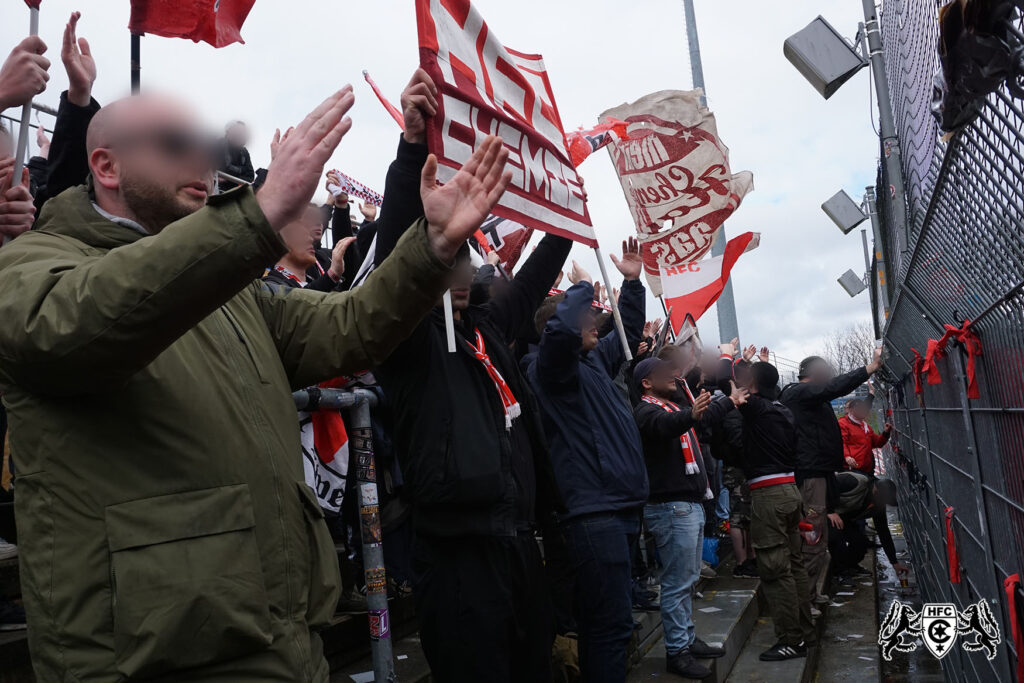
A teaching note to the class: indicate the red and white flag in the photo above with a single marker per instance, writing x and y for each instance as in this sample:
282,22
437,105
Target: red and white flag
217,22
674,171
692,288
506,237
583,143
485,88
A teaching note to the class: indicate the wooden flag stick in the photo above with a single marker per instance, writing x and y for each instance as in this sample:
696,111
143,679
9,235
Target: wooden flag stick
615,304
449,320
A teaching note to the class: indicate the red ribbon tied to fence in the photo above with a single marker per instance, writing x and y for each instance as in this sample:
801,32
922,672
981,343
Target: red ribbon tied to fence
918,369
937,349
1010,584
951,554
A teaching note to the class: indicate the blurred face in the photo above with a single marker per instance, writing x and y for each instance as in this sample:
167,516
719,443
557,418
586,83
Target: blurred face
164,165
237,135
661,382
859,411
820,372
298,236
588,328
461,281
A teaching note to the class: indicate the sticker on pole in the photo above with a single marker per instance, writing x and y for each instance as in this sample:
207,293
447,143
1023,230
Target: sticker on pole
368,493
379,626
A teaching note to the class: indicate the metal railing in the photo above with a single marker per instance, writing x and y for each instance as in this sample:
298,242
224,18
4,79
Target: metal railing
961,258
358,404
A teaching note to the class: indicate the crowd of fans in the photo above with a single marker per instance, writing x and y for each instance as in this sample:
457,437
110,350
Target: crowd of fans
154,329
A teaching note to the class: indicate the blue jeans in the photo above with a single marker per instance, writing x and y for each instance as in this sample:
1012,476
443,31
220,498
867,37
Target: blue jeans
600,548
722,504
678,529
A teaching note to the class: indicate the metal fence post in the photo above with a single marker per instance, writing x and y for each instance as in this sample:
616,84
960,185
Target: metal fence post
361,440
358,403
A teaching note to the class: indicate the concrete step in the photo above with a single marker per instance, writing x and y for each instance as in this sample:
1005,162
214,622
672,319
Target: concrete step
725,615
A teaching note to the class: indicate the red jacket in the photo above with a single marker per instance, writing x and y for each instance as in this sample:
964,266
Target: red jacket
858,442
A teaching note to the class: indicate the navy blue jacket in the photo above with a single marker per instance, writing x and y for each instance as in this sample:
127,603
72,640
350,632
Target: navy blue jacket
593,439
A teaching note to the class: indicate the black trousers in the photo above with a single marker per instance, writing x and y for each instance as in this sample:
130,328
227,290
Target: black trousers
484,609
848,547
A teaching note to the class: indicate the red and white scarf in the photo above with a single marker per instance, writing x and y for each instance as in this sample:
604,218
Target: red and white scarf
508,400
688,441
290,275
863,425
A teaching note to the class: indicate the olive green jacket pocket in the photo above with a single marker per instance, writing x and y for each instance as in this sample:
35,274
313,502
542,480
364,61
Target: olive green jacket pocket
186,584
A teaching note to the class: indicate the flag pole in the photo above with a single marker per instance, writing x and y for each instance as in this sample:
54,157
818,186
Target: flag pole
449,320
136,63
615,304
26,111
668,316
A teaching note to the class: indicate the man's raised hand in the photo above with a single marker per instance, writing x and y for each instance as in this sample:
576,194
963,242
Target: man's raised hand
749,353
295,171
577,274
700,404
764,354
337,268
737,395
24,73
631,264
78,63
455,210
419,100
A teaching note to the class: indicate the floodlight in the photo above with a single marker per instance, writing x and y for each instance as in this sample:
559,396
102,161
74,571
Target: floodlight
843,211
852,283
823,56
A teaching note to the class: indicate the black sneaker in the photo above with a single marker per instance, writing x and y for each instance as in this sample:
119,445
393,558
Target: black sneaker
12,617
746,570
683,664
780,652
859,571
702,650
644,605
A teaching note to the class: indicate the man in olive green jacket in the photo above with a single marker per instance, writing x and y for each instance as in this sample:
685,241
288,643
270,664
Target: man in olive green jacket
165,530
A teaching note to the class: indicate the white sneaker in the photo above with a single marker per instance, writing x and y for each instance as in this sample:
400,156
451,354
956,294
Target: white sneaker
7,550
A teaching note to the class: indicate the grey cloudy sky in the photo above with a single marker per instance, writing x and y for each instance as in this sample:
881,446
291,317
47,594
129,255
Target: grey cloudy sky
599,53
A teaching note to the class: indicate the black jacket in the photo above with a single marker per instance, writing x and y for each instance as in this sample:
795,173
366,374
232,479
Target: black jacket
68,162
660,433
235,161
765,437
820,448
465,473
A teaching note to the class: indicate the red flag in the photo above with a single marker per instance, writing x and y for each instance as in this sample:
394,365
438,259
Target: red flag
951,553
583,143
506,237
217,22
33,4
486,88
395,114
693,287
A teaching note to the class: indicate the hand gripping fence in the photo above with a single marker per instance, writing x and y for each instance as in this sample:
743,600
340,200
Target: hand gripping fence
358,404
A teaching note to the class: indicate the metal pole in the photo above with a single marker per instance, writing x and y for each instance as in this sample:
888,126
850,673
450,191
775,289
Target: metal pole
136,64
886,124
615,305
359,402
26,113
728,327
880,263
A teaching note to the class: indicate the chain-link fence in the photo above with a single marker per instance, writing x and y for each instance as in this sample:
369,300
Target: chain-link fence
960,259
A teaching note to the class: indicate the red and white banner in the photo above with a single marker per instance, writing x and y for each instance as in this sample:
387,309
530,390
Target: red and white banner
583,143
506,237
486,89
217,22
692,288
675,174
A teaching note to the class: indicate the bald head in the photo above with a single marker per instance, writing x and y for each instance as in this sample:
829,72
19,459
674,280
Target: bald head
150,160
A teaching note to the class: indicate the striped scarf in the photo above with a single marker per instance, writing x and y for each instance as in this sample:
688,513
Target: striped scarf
508,400
688,441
